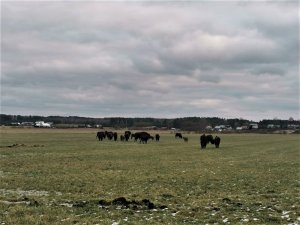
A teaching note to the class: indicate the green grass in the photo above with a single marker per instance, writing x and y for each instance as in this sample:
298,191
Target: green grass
58,177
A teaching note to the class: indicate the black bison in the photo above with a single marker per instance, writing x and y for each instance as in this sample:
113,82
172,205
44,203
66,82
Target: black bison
157,137
132,136
178,135
100,135
122,138
142,136
126,136
115,135
217,141
206,139
203,141
210,139
127,132
109,135
136,136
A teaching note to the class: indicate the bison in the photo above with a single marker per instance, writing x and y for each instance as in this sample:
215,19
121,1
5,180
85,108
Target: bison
210,139
217,141
100,135
157,137
136,136
203,141
142,136
178,135
206,139
122,138
109,135
115,135
127,132
126,136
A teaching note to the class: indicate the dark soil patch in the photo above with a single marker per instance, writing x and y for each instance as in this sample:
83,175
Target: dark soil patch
21,145
228,201
122,202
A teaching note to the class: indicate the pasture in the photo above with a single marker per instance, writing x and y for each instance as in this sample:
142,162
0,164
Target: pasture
66,176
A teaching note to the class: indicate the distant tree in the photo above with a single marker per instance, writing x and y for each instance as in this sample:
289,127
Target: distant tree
176,123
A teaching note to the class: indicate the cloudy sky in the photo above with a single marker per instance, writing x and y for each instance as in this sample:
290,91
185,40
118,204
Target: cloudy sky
150,59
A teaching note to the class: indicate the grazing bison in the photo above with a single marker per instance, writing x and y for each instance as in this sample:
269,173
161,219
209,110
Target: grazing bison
136,136
210,139
178,135
115,134
203,141
145,138
122,138
217,141
206,139
127,132
100,135
157,137
109,135
142,136
126,136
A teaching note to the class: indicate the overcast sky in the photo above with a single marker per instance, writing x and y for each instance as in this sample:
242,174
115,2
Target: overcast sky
142,59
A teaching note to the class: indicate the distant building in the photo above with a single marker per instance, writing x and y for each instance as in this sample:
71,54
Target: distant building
293,126
164,128
27,124
219,128
150,128
273,126
42,124
208,128
253,126
222,127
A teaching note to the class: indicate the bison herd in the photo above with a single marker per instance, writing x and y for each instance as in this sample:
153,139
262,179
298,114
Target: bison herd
143,137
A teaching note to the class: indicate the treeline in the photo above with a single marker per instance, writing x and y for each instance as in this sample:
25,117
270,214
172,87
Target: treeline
186,123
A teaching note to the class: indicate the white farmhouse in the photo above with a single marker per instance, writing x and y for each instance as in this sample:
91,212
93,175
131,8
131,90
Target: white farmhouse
42,124
253,125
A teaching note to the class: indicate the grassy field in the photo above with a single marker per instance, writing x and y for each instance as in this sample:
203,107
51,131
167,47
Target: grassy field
57,176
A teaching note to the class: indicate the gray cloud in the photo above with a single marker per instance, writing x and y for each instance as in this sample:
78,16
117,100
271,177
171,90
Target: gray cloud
227,59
